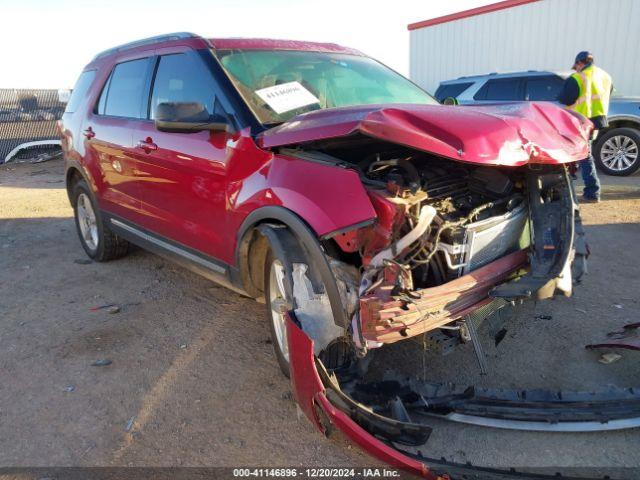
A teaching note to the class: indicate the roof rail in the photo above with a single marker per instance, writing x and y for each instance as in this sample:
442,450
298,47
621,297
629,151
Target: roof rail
146,41
477,75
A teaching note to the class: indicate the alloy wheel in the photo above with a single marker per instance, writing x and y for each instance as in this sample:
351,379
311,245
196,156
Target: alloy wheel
278,302
87,222
619,153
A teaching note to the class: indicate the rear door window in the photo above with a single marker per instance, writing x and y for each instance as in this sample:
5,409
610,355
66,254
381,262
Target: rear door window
125,92
451,90
183,77
545,88
500,89
80,90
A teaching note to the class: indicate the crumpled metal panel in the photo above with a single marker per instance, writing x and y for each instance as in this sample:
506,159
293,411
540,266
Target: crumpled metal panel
509,134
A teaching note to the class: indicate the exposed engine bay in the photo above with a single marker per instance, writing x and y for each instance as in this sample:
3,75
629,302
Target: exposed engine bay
477,215
452,245
449,223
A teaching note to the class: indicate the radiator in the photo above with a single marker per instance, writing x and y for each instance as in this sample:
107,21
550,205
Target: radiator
487,240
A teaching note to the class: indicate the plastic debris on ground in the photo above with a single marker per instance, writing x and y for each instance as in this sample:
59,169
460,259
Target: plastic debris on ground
103,362
607,358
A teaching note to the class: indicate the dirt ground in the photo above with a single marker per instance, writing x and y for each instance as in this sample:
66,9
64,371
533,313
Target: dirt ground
193,380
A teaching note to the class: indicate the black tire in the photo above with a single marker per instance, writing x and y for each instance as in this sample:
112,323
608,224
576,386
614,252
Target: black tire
630,133
109,246
280,354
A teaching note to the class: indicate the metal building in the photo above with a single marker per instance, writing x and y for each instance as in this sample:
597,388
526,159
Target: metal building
517,35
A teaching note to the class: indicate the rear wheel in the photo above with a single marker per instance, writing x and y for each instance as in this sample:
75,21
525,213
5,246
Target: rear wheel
99,243
616,153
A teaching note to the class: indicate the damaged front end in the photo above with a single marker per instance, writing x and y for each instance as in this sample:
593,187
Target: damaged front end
452,244
475,210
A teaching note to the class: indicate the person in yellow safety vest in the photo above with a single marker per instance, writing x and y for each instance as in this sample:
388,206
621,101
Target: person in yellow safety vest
587,92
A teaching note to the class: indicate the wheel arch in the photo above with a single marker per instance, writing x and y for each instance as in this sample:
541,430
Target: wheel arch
269,225
74,173
621,122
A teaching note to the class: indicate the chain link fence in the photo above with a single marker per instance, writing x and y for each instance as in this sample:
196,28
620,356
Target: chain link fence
29,116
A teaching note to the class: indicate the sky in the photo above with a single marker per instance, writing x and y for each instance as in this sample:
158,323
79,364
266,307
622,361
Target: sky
45,44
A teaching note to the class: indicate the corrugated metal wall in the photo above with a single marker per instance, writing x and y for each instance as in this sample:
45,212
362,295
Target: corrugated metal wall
544,35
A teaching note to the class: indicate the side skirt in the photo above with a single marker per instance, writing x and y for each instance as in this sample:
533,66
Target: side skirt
208,267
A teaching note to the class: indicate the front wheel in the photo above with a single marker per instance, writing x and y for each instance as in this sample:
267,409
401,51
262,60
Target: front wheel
277,305
616,152
290,279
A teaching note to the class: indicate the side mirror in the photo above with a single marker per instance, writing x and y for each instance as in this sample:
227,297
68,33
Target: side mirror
188,117
450,101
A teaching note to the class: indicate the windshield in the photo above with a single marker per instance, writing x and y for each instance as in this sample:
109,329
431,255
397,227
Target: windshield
279,84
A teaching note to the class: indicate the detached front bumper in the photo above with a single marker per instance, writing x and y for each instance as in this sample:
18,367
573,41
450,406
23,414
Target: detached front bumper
311,396
395,424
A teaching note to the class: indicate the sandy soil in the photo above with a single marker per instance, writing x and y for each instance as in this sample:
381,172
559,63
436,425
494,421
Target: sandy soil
193,380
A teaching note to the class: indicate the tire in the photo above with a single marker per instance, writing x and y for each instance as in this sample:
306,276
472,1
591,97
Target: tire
99,243
275,300
617,152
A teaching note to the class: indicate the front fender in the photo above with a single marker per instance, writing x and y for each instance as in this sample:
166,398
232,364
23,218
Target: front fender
308,240
327,197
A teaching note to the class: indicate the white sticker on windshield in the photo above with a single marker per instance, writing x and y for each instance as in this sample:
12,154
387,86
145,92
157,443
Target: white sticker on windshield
287,96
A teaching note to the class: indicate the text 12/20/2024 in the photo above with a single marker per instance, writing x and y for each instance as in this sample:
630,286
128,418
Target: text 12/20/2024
322,472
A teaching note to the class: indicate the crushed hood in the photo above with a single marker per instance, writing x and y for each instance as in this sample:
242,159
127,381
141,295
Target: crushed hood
510,134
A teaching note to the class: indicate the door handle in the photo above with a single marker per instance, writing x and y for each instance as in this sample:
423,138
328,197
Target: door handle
89,133
147,145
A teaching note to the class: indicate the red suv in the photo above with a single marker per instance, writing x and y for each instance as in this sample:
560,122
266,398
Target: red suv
324,184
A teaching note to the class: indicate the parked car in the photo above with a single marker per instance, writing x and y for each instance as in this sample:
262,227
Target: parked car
355,206
616,148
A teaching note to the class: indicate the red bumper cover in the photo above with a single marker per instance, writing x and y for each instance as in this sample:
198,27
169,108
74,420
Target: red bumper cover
310,395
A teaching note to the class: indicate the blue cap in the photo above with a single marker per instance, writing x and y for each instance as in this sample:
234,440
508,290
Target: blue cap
583,57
